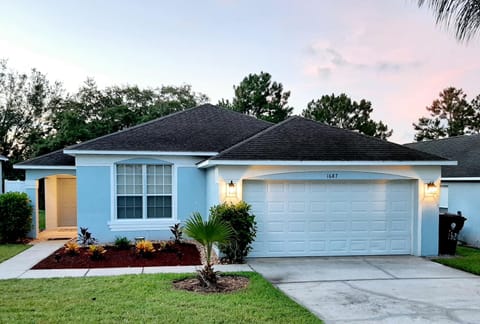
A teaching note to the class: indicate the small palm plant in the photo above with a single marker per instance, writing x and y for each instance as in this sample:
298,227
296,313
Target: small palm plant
207,233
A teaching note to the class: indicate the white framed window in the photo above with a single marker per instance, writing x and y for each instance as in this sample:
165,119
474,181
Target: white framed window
143,191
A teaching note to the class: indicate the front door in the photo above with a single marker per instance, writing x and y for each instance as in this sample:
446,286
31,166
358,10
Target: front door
67,202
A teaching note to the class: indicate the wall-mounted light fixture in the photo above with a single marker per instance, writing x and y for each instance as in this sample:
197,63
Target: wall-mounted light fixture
430,188
231,189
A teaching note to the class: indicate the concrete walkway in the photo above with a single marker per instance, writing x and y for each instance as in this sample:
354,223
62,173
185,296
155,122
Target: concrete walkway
403,289
19,267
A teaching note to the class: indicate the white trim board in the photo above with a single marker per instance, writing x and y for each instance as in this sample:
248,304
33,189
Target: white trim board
209,163
461,179
45,167
152,153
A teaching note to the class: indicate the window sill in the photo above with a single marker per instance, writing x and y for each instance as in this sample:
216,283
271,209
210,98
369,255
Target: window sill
141,224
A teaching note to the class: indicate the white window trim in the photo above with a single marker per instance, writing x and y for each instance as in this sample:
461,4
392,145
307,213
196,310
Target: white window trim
144,224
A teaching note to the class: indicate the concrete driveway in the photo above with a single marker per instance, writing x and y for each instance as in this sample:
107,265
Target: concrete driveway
403,289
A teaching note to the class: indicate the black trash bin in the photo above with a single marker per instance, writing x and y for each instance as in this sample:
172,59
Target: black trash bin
449,227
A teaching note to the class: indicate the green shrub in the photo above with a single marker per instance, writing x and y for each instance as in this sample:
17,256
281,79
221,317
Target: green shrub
243,223
122,243
15,216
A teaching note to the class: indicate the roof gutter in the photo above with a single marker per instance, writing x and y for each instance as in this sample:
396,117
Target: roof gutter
211,163
461,179
44,167
156,153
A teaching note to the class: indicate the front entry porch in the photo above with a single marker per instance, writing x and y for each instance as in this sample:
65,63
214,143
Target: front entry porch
60,207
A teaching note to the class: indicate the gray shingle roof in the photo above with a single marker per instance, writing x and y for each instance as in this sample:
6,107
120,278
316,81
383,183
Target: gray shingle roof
206,128
464,149
55,158
302,139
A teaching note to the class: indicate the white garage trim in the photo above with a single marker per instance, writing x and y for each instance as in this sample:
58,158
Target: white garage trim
329,218
210,163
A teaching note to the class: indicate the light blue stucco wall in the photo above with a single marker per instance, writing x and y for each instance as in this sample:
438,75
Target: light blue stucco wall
95,196
211,191
191,196
94,200
429,228
465,197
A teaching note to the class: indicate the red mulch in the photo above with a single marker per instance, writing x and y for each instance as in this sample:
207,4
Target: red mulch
180,254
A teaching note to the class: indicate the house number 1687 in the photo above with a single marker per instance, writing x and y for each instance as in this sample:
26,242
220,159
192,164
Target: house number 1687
332,175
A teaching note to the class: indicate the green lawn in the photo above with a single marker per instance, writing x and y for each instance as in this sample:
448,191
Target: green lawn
142,299
41,220
467,259
9,250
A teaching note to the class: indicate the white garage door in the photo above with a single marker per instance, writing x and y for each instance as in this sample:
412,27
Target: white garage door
319,218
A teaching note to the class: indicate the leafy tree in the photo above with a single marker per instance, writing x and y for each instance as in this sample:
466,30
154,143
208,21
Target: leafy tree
258,96
93,112
341,111
462,15
207,233
26,101
450,115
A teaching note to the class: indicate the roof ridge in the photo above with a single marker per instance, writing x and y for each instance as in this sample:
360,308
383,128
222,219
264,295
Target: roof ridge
334,128
134,127
263,131
202,106
371,137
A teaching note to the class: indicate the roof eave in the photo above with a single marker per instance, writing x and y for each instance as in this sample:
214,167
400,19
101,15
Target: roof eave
43,167
474,179
123,152
211,163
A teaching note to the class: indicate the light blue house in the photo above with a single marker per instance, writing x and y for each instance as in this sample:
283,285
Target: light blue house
315,190
460,185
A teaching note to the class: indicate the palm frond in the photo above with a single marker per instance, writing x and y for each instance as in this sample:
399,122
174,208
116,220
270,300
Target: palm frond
462,15
213,230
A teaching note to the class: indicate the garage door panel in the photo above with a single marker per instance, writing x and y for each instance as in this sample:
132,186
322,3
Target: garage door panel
318,187
317,227
331,218
337,245
297,207
297,227
297,246
296,187
400,226
318,206
275,246
275,207
360,226
379,226
399,244
362,206
276,187
378,246
359,245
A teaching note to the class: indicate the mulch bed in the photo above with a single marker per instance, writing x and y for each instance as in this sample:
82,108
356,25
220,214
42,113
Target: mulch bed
179,254
224,284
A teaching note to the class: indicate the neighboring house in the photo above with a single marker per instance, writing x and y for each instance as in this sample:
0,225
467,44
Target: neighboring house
315,190
460,186
2,159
